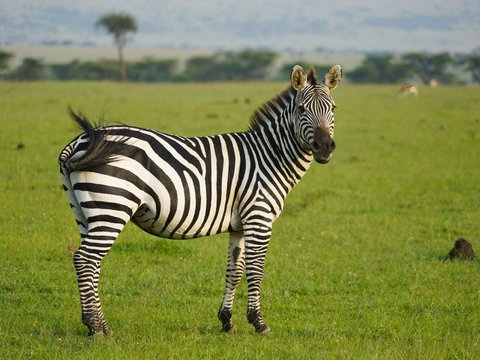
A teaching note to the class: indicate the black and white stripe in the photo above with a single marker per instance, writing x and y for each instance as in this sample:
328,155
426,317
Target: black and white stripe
178,187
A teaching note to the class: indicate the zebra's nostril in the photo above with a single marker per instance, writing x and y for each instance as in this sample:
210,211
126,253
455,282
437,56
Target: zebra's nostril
332,146
315,146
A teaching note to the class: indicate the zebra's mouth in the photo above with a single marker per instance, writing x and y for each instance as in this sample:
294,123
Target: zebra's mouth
322,159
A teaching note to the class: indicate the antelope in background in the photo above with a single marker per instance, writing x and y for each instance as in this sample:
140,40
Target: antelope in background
408,88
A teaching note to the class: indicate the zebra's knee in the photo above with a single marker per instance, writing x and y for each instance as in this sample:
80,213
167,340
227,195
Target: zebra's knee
79,257
81,260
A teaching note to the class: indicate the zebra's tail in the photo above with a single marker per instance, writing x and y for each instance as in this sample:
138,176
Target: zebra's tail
96,149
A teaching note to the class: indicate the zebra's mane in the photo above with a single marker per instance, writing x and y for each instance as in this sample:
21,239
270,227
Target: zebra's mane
271,110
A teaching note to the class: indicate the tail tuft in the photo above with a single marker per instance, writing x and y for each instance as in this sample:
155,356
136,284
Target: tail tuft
100,151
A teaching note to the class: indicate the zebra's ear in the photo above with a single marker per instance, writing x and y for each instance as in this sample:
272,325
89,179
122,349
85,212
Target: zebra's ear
298,78
312,76
333,76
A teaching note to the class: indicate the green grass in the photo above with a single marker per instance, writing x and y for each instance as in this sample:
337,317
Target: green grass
354,269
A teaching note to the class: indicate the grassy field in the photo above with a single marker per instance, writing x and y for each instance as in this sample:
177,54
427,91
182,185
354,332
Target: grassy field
355,268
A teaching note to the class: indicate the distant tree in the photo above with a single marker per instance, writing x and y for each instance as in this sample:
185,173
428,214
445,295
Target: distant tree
5,57
381,69
151,70
230,66
472,62
103,70
30,69
203,68
65,71
88,70
119,24
247,64
430,67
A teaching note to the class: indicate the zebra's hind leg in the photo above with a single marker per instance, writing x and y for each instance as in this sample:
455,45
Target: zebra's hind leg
98,234
87,261
96,242
235,269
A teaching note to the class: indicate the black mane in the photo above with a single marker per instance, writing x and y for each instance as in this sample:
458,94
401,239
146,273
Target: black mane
271,109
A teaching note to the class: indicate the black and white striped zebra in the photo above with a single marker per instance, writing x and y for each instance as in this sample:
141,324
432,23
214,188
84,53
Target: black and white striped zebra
178,187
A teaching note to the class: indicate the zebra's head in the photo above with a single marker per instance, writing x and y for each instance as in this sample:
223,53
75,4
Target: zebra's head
313,111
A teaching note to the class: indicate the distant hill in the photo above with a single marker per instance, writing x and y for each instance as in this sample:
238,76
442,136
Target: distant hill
301,25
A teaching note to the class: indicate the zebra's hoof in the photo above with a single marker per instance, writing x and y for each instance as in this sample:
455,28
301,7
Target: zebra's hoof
107,331
100,334
96,335
265,331
232,329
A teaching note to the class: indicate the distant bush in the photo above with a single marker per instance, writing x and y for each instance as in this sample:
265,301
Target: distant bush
227,66
472,63
151,70
30,69
230,66
88,70
5,57
250,65
380,69
430,67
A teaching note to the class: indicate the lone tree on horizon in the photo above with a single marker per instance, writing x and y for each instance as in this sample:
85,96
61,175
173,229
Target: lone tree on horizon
119,24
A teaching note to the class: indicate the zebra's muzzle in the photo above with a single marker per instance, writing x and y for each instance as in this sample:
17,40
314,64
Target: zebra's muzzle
322,146
322,160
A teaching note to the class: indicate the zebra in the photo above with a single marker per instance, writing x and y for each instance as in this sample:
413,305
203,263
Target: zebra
187,187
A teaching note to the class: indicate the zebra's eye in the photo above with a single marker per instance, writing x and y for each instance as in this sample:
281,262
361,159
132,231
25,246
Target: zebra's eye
301,107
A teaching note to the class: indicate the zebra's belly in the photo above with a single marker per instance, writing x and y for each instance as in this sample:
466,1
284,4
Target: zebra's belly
181,226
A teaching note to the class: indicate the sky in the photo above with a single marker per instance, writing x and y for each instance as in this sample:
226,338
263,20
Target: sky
298,25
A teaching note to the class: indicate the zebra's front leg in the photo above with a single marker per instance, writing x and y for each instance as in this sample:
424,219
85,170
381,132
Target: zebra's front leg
234,273
256,244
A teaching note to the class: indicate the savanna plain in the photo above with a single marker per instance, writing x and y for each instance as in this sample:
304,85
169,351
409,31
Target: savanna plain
355,267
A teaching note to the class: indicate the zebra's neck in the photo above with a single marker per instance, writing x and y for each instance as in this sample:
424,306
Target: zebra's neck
272,126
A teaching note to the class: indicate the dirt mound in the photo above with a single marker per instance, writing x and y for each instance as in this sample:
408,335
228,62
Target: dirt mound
462,250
